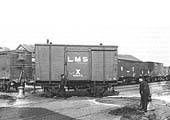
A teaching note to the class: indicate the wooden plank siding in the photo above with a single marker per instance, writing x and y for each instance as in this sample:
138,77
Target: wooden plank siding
79,62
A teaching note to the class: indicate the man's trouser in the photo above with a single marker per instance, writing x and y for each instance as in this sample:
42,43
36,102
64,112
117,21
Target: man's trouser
144,101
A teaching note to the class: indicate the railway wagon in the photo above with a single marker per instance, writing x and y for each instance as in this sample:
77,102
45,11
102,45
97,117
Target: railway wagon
155,71
168,76
15,67
165,72
130,69
89,67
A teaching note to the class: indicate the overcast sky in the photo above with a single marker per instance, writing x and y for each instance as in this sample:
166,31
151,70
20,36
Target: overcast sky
138,27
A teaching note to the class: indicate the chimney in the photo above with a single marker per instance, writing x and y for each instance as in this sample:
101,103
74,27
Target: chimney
47,41
101,44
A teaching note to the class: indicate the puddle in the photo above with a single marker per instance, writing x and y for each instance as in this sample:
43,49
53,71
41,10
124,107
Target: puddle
7,100
11,102
94,101
6,97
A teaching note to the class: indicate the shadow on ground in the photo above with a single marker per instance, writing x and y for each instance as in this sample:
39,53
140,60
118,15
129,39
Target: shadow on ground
28,113
68,94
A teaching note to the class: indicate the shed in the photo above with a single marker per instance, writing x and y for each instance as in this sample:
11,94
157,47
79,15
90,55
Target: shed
30,49
128,58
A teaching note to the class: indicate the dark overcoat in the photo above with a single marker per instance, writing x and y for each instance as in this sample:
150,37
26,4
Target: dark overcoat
145,93
144,88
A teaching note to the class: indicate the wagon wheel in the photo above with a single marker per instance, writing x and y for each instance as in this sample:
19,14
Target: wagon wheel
14,85
100,91
90,90
47,91
76,88
6,87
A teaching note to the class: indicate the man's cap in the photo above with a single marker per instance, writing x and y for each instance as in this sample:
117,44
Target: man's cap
62,74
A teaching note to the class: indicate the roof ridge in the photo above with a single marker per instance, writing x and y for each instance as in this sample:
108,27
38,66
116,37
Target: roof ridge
128,57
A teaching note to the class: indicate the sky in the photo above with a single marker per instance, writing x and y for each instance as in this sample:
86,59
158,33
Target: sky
138,27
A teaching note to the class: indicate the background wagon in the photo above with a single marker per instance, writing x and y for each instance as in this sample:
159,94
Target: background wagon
15,66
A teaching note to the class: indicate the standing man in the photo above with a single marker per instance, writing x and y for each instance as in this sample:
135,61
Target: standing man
144,92
63,83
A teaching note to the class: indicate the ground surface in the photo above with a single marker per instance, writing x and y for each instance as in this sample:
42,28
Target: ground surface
122,107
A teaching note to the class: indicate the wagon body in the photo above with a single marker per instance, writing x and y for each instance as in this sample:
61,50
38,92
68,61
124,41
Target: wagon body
130,71
155,70
88,67
78,62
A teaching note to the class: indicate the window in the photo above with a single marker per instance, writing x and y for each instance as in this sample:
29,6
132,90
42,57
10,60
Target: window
21,57
33,59
121,68
133,69
148,71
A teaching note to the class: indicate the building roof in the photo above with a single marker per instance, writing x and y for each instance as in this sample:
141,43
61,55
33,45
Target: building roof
128,57
4,49
153,62
29,48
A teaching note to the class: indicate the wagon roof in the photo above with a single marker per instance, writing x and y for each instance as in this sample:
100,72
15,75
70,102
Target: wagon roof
76,45
153,62
128,57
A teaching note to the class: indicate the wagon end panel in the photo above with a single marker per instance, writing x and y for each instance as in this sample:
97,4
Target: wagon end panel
104,65
42,63
111,65
49,62
57,62
97,66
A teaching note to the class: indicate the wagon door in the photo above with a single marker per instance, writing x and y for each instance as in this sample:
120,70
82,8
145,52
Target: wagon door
77,65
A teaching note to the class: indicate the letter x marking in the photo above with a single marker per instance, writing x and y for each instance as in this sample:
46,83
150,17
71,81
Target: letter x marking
77,71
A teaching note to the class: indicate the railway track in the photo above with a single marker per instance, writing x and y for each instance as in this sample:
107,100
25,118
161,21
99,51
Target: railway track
136,86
